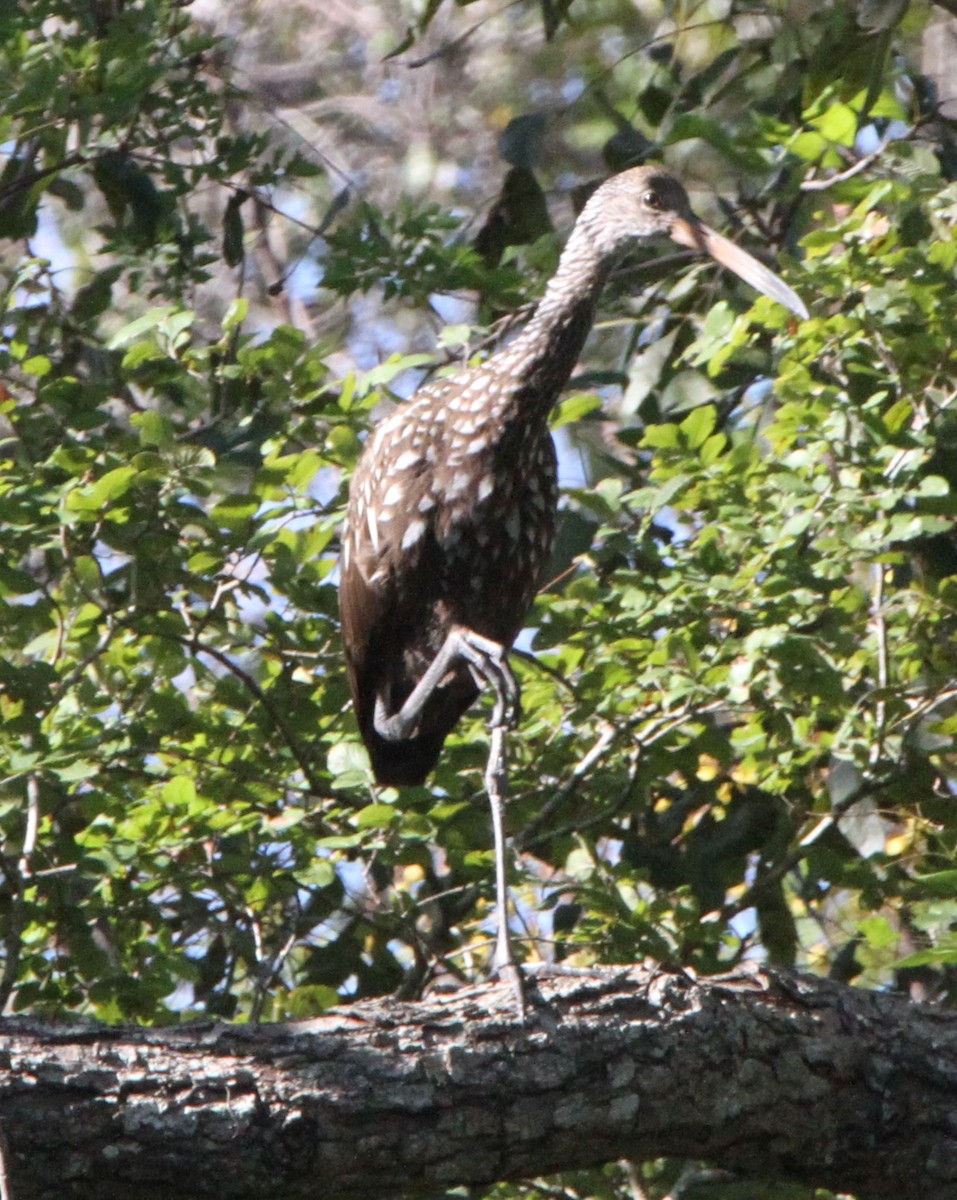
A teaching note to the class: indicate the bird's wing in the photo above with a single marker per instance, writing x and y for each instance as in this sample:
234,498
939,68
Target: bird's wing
387,527
393,619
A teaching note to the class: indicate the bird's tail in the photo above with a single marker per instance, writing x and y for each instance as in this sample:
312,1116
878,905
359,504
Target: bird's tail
408,762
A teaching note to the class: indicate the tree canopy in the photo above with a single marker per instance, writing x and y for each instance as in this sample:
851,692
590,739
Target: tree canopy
229,239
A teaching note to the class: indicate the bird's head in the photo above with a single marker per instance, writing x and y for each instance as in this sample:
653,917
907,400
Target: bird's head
647,201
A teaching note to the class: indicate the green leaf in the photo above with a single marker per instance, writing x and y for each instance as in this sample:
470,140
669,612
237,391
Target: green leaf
878,932
698,426
179,792
235,511
376,816
38,365
235,314
689,126
661,437
575,408
134,330
107,488
155,429
838,124
938,883
937,956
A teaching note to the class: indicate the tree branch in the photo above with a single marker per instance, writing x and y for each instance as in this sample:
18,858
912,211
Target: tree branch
768,1076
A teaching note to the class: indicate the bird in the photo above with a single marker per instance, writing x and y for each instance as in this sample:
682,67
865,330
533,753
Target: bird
452,506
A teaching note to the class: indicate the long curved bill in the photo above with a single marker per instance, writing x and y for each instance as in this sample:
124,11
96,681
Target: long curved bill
697,236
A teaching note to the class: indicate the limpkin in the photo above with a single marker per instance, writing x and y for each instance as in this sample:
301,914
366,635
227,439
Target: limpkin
452,507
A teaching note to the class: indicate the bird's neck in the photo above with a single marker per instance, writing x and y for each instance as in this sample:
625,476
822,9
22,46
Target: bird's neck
544,354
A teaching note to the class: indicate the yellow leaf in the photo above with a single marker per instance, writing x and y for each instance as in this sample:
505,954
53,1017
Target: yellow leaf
708,767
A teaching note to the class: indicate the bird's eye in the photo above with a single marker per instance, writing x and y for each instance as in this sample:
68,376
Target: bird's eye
651,200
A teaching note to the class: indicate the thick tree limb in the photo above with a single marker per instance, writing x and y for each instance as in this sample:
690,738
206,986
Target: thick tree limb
777,1077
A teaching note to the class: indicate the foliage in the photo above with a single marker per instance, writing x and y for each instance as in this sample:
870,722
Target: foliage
739,711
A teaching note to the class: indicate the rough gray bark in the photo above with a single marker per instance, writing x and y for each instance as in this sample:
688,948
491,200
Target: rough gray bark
775,1077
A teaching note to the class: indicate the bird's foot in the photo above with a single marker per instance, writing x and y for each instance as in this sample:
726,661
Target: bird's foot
506,969
511,973
489,662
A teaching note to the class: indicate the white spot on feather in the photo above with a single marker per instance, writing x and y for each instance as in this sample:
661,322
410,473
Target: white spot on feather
393,495
413,532
372,528
459,482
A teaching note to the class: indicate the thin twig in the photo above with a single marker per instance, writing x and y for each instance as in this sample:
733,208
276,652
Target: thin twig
21,873
821,185
27,180
693,1175
6,1192
533,660
879,626
651,733
447,48
635,1186
271,965
33,824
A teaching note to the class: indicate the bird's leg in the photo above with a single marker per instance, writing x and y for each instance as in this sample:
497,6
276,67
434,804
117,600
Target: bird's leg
504,964
489,665
400,725
488,662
